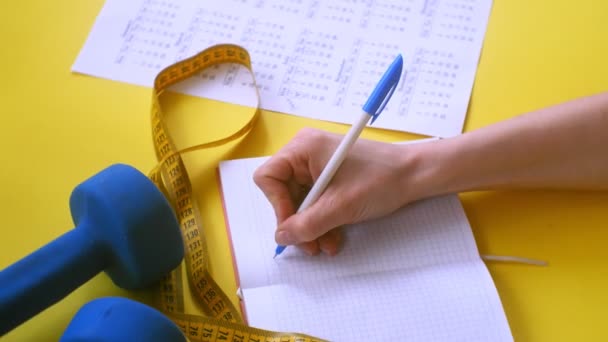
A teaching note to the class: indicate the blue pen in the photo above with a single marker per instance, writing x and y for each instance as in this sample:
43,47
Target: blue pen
372,108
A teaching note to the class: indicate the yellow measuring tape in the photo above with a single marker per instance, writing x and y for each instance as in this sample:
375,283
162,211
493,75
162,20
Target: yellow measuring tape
223,321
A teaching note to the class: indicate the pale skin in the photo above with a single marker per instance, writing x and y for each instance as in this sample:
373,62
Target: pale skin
559,147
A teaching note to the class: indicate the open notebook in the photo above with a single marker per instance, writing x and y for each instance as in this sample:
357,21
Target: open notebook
415,275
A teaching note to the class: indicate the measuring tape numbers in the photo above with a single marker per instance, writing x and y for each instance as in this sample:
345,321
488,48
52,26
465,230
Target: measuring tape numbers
223,321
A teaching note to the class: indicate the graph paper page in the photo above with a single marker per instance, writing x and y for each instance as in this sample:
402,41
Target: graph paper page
417,269
318,59
455,302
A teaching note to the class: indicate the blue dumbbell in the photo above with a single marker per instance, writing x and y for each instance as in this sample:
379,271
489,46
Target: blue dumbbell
115,319
124,225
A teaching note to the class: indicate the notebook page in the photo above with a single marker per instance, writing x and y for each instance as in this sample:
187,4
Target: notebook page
454,302
429,232
421,278
317,59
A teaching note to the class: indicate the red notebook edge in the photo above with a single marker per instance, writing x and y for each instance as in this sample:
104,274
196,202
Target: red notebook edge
229,234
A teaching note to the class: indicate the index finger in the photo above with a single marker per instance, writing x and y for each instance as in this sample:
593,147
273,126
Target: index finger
273,178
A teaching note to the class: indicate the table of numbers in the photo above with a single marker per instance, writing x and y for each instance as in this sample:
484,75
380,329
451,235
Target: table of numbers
312,58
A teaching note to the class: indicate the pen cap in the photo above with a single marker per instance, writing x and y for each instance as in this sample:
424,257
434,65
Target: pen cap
385,88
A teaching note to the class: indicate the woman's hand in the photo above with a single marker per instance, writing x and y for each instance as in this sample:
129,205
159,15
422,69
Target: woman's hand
558,147
375,179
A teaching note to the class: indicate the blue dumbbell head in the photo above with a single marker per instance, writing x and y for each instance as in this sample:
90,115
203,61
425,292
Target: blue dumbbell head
115,319
130,218
124,225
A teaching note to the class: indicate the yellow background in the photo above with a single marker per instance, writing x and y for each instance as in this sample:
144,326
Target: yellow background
59,128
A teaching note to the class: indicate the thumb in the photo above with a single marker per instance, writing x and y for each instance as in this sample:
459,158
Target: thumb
310,224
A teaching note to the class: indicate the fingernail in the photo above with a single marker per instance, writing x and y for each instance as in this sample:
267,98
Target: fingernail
314,252
331,251
285,238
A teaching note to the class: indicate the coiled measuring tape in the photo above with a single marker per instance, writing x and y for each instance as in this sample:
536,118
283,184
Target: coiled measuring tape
223,321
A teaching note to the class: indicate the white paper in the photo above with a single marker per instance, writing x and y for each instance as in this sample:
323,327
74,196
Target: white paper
415,274
317,59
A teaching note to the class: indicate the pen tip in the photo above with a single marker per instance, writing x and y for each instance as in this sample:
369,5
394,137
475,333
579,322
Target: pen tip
275,255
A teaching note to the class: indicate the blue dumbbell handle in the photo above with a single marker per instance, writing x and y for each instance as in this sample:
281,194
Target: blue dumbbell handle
48,275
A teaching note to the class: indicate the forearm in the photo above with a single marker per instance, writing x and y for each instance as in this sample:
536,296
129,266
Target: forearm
563,146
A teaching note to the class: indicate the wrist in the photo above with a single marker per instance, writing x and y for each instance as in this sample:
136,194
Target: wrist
430,169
